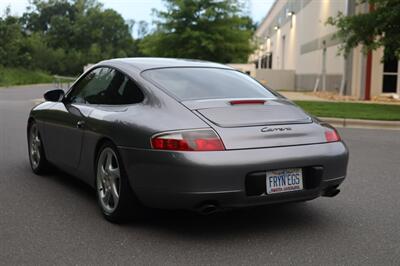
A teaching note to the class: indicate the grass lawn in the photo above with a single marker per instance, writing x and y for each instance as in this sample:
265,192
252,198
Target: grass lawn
19,76
351,110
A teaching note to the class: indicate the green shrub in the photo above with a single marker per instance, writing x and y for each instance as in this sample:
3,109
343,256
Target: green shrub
20,76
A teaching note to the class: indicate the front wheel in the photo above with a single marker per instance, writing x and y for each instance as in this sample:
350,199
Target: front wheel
114,194
37,158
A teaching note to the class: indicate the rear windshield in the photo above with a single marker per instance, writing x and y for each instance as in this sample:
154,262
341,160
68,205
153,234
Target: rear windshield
206,83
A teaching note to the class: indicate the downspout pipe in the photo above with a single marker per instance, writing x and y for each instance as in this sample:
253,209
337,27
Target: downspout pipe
368,77
368,72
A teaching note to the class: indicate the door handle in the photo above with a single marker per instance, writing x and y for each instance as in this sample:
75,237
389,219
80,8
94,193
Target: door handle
80,124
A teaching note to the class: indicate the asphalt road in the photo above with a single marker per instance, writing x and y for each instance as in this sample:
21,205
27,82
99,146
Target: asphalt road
55,220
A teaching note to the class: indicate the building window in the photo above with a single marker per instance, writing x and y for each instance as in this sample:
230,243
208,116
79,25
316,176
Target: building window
391,75
266,61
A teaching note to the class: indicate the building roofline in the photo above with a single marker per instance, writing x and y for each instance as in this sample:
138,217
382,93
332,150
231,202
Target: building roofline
266,16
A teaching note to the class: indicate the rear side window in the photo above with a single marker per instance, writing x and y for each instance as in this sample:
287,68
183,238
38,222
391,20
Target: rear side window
206,83
105,86
123,91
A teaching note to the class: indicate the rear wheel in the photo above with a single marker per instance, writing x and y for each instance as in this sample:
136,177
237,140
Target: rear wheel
37,157
114,194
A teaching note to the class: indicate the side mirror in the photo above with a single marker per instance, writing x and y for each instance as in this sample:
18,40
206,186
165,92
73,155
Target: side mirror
54,95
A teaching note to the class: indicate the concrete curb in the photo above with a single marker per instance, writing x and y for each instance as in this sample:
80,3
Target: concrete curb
359,123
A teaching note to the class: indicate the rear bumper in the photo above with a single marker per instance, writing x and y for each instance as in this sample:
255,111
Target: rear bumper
187,180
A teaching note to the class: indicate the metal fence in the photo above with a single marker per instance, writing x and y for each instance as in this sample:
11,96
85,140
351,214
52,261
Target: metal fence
62,82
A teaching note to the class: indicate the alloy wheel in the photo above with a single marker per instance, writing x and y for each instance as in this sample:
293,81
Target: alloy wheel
34,147
108,180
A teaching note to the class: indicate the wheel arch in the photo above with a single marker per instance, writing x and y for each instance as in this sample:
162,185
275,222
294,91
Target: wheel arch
99,143
32,120
28,126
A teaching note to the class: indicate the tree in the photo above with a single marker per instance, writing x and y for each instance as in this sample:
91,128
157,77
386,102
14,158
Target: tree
107,29
63,35
201,29
143,29
378,28
11,41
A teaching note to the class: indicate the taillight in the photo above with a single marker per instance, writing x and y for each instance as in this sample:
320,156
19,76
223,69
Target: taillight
331,135
193,140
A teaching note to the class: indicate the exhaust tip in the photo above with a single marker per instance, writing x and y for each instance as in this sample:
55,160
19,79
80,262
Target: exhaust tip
331,192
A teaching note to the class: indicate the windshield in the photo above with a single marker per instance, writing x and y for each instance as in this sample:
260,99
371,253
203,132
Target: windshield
206,83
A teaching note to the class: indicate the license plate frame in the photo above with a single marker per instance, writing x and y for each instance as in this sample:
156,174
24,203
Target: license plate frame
284,181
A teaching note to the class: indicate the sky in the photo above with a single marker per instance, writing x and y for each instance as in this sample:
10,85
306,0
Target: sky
140,9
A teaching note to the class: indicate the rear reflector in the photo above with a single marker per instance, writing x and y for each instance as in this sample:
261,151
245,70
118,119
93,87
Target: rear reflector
237,102
331,135
196,140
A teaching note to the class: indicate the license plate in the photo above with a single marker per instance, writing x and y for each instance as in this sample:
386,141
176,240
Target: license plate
285,180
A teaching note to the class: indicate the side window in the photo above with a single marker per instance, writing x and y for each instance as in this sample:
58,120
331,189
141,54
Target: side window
106,86
92,88
127,93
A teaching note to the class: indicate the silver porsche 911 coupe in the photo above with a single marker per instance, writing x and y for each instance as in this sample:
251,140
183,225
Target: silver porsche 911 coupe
183,134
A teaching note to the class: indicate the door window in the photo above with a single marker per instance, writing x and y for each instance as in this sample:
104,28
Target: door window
91,89
105,86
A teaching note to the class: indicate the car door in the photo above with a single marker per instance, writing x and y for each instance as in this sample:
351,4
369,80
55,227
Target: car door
65,124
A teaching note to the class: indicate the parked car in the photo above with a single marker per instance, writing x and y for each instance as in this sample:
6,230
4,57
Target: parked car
183,134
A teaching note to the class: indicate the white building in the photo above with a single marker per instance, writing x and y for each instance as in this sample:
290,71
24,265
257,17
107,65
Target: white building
295,41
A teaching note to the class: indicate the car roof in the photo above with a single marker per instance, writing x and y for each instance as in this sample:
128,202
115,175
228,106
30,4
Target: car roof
144,63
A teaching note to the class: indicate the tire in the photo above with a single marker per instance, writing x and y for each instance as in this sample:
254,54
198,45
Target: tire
37,158
114,194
